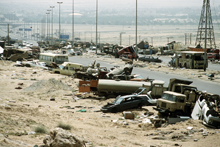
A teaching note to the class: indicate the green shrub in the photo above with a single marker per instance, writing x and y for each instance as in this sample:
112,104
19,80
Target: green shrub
64,126
40,129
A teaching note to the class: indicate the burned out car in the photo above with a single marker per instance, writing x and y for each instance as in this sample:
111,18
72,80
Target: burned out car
135,100
150,59
207,108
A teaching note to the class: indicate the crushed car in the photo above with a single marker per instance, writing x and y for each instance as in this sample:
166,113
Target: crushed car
150,59
135,100
207,109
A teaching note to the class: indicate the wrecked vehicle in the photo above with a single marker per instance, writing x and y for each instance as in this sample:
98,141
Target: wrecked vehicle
110,49
16,54
127,52
50,58
207,109
35,63
93,72
135,100
120,70
149,59
68,68
113,88
179,99
133,77
175,104
189,59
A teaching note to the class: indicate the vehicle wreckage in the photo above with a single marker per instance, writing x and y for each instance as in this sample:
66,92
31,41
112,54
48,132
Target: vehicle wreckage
95,72
135,100
207,108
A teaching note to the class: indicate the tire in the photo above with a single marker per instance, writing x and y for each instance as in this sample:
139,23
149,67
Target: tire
115,110
140,105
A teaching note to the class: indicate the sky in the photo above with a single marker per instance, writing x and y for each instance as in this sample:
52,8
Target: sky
107,3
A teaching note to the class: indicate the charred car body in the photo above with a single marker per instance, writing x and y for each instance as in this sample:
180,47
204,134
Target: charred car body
149,59
136,100
127,52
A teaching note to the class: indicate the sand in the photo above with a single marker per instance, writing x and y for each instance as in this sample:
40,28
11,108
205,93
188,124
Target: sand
45,100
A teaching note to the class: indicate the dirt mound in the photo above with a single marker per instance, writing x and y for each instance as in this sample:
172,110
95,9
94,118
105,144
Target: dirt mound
48,85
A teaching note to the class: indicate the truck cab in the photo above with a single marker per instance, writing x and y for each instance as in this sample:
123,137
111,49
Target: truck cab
173,103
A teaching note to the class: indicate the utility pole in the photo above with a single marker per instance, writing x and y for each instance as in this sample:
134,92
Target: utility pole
59,21
152,41
52,22
136,31
73,24
8,36
47,25
96,25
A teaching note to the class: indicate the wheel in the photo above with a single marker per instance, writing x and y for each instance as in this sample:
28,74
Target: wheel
140,105
115,110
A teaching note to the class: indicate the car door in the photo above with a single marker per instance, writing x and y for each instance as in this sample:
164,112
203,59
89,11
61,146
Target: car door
136,101
126,104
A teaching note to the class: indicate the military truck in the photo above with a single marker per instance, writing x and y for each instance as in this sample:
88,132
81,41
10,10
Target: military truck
176,104
68,68
179,99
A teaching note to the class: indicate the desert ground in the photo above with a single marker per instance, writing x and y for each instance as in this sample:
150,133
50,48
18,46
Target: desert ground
33,98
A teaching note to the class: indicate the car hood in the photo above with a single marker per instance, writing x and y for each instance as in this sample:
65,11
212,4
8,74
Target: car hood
108,105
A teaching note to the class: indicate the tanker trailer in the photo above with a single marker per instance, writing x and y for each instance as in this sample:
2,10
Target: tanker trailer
113,88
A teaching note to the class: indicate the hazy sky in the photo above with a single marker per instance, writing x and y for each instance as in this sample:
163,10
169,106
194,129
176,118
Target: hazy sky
108,3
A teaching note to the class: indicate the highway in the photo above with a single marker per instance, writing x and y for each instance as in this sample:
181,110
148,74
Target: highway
202,85
209,86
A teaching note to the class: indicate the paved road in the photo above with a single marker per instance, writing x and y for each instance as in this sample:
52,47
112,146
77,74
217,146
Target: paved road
201,85
211,66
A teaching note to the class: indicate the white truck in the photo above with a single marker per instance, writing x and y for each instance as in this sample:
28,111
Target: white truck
68,68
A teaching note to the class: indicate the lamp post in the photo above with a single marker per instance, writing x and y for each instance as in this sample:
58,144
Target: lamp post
59,22
136,30
121,37
73,24
49,25
96,24
52,22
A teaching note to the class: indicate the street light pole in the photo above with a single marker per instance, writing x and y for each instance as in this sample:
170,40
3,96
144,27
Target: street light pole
136,29
96,23
59,22
52,23
73,24
49,25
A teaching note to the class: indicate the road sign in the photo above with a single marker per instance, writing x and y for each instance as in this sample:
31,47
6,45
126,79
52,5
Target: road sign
27,29
64,36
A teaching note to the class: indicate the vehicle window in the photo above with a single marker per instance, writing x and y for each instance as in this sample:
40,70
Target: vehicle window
178,89
143,97
65,68
71,68
119,100
181,99
169,97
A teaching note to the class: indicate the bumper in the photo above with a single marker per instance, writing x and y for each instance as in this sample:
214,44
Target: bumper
161,110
